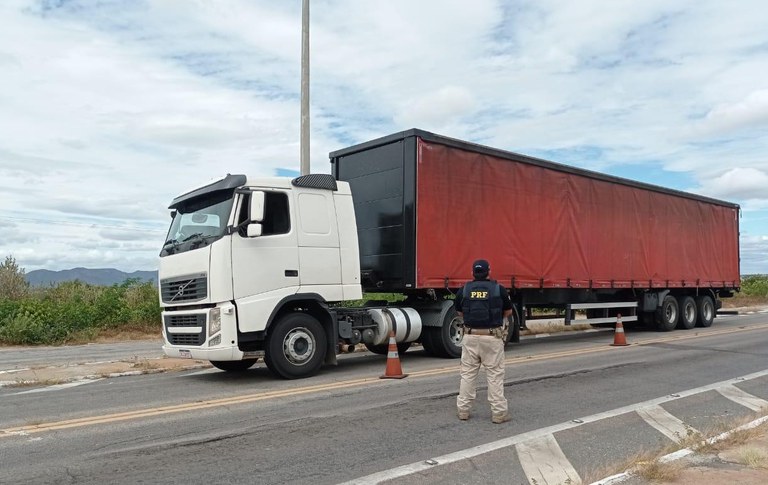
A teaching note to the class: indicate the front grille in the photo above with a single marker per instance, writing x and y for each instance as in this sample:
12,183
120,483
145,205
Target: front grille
193,320
184,288
186,320
187,339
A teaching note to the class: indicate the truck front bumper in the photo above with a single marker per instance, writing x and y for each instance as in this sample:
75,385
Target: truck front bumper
216,353
204,334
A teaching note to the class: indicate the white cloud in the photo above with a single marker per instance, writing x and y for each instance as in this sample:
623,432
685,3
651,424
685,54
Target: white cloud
751,112
754,254
445,107
738,183
108,110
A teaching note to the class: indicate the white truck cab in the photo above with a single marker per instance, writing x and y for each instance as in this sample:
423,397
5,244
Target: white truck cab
243,254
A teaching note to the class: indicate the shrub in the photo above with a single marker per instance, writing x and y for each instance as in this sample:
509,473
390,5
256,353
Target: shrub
75,309
13,283
755,285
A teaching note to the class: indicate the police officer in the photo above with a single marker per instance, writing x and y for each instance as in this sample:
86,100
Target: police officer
484,304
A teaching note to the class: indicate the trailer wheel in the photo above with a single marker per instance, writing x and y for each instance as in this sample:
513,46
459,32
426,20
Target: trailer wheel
384,348
688,312
296,346
445,340
234,365
706,311
667,314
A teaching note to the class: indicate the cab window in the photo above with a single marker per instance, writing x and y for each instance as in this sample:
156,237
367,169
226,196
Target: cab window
277,216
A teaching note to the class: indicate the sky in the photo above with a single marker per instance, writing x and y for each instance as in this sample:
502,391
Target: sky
109,109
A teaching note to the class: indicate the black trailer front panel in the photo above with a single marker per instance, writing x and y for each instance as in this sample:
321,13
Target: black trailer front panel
382,179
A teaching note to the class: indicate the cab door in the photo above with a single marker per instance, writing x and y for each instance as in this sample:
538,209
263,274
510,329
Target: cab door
265,268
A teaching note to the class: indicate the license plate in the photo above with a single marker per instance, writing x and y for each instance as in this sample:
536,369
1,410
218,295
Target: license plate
185,354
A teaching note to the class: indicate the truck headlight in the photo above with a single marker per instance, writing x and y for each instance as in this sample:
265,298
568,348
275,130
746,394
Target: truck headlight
214,341
214,321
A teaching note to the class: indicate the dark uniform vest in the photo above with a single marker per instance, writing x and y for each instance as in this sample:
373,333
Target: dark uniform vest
482,304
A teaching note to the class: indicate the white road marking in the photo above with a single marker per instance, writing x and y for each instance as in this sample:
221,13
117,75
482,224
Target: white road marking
202,372
667,424
13,371
545,463
57,387
420,466
744,398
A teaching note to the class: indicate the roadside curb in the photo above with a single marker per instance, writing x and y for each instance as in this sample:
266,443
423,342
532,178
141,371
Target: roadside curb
62,374
680,454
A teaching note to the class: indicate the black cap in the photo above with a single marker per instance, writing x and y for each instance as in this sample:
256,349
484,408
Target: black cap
480,268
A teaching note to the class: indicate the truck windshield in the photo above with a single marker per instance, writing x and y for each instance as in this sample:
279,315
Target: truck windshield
198,222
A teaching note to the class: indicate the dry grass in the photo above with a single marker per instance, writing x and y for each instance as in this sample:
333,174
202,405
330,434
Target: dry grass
129,332
737,438
646,460
741,300
656,471
30,383
648,465
753,457
143,364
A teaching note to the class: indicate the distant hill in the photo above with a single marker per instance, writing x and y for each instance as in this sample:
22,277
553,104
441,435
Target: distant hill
99,277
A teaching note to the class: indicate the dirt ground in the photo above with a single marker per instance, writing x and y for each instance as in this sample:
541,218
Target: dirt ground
741,464
52,375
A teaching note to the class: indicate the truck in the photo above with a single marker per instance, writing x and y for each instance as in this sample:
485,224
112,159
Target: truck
292,270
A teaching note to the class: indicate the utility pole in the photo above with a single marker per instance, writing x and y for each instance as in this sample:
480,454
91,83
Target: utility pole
305,87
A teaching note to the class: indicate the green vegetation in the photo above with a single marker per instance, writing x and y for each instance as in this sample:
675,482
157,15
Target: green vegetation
754,291
79,312
374,299
71,311
755,286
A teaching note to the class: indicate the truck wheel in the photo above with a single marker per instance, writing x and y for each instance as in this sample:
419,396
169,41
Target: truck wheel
688,313
444,340
706,311
427,341
234,365
514,324
384,348
667,314
296,346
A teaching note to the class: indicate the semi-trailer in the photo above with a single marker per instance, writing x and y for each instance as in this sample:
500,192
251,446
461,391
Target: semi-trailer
266,267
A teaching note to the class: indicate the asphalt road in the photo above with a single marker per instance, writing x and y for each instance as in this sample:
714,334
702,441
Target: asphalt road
20,357
213,427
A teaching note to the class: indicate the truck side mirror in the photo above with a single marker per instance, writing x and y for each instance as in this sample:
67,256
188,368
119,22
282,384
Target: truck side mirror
256,208
254,230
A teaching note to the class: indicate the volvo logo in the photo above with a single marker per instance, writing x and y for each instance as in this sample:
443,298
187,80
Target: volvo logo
181,289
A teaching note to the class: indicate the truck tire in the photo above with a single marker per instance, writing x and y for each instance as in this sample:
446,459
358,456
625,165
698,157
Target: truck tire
706,311
443,341
295,347
667,314
234,365
514,327
688,312
384,348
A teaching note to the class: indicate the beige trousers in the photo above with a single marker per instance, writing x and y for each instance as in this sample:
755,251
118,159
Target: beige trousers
488,351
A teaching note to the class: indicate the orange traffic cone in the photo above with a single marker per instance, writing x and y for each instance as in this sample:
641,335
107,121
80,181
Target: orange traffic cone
619,339
393,361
